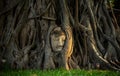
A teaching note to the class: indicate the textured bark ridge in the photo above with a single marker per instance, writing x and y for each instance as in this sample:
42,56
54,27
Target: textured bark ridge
50,34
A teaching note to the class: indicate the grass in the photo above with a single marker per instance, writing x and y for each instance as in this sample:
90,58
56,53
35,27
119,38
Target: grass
58,73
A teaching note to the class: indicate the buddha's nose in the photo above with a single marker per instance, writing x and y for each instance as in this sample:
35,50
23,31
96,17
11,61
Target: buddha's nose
60,42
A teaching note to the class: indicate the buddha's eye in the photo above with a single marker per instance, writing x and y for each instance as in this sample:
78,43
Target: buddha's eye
56,39
63,38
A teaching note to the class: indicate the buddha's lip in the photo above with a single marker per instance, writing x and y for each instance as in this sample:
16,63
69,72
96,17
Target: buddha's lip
59,48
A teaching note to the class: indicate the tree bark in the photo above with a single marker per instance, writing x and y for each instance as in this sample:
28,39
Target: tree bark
92,39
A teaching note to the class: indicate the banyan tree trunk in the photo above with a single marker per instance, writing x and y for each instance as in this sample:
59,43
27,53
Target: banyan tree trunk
92,35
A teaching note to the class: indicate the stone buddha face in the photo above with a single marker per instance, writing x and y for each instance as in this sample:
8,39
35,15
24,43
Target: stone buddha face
57,39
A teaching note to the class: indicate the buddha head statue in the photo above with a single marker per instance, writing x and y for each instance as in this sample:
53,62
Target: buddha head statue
57,39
